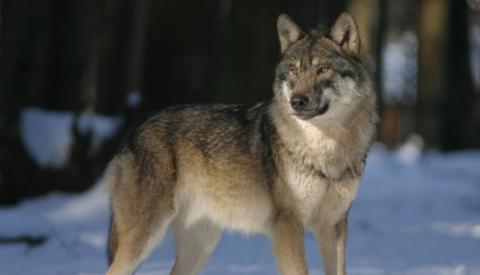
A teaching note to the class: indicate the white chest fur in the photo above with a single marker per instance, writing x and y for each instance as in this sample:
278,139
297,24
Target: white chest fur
316,196
308,191
320,176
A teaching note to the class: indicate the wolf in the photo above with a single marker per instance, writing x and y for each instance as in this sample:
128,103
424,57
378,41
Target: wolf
277,168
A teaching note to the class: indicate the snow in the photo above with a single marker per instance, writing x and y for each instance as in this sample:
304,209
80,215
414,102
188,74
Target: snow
133,99
101,127
414,214
47,135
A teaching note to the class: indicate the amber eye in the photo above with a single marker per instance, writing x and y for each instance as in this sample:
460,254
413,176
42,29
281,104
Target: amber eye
295,70
323,69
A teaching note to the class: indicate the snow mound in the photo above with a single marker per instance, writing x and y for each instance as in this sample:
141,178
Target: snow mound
48,135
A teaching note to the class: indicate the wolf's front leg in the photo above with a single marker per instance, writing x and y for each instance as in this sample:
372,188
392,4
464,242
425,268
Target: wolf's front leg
332,243
289,245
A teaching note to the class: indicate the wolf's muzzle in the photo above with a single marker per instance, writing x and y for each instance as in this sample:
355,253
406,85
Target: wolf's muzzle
305,109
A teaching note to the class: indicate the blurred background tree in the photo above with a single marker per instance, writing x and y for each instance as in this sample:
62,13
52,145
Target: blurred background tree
121,58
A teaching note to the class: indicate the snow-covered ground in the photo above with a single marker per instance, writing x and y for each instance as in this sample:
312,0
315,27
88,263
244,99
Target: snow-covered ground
47,135
412,215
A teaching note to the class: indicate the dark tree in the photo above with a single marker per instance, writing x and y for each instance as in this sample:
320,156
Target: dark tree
433,69
45,49
48,61
122,55
328,11
457,131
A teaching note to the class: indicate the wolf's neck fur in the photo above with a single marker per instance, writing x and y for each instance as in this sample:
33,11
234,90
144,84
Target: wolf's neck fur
329,147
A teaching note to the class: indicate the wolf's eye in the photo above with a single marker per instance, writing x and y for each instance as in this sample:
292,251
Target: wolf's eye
294,70
323,69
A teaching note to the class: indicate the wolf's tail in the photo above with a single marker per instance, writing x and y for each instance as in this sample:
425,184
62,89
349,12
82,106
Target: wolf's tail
112,240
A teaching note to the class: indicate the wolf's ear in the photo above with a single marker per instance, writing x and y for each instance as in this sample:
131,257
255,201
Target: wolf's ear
288,31
345,33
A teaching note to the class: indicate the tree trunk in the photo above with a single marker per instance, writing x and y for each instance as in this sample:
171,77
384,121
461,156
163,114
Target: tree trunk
328,11
457,112
432,71
122,65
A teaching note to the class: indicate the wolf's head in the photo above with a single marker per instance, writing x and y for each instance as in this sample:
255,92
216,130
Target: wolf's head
322,78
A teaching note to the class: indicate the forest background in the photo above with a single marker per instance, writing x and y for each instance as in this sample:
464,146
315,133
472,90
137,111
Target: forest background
113,60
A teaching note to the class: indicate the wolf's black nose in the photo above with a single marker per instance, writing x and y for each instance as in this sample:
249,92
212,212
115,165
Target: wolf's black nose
299,102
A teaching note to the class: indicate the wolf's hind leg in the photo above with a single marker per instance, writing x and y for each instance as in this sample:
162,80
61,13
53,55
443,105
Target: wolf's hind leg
142,186
195,244
135,244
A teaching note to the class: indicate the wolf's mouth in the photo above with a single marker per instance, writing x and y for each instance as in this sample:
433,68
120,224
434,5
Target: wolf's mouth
324,109
308,114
